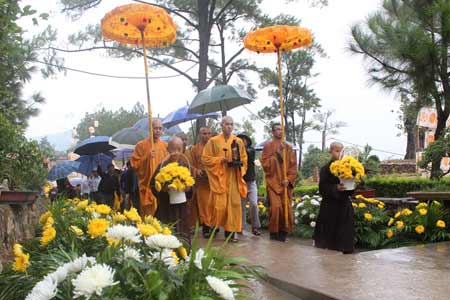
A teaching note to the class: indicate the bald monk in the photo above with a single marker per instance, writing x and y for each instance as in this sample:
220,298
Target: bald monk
226,178
183,136
200,204
144,161
172,213
272,162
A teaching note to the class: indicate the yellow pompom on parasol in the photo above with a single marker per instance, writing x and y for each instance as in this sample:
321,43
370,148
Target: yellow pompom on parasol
276,39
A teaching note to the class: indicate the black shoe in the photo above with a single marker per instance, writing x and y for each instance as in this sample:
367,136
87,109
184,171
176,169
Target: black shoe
348,252
282,236
206,230
274,236
229,234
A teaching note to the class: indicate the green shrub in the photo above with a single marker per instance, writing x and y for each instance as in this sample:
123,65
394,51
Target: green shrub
309,190
392,186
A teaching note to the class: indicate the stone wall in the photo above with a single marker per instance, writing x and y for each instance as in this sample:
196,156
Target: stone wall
398,167
18,223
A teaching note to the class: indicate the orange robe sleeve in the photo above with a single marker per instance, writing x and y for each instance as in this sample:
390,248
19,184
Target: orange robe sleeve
211,160
272,163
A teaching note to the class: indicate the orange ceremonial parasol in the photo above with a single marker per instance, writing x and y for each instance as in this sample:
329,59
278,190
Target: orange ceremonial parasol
144,25
275,39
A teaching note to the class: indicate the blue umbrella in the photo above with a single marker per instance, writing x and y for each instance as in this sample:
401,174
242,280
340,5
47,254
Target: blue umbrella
181,115
122,154
94,145
143,125
62,169
90,162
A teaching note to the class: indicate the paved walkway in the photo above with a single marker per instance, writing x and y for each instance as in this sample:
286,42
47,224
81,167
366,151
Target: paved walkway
409,273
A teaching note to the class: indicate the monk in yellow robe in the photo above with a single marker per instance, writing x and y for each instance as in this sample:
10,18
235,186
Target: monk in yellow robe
200,209
144,161
272,162
225,161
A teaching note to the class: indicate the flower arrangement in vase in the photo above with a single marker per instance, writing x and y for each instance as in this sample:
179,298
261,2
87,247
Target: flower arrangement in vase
349,170
175,179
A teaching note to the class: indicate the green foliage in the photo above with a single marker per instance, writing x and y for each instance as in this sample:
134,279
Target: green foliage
47,149
313,159
370,162
393,186
20,160
109,121
309,190
436,151
306,210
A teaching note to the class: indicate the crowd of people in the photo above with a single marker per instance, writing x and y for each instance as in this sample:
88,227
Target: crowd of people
223,166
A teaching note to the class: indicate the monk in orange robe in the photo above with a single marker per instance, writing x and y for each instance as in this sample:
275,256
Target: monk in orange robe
225,161
201,209
144,161
272,162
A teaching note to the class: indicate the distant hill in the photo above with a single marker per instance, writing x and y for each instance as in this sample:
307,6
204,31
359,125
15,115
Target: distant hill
61,140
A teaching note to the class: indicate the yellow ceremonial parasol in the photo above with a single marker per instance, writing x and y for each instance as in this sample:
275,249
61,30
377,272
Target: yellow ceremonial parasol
144,25
275,39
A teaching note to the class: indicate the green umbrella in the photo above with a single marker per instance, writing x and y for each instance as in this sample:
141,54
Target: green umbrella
219,98
127,138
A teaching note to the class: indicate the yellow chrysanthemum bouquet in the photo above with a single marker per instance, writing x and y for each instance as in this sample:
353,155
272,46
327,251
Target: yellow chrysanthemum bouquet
176,179
348,169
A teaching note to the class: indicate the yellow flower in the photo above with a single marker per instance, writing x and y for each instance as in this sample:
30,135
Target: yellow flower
91,208
354,204
118,217
83,204
49,223
158,186
359,197
98,227
247,205
420,229
76,200
440,224
183,252
406,212
146,229
391,221
17,249
362,205
389,233
297,200
381,206
368,216
132,215
436,203
77,230
48,235
399,224
423,211
166,231
421,205
44,217
103,209
176,259
397,214
113,242
263,210
21,262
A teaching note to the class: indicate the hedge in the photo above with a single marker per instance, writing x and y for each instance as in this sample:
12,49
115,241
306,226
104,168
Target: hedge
389,186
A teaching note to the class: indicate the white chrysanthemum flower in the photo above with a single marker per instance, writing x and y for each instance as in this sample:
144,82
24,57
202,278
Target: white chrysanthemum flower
315,202
130,252
162,241
95,215
301,204
80,263
220,287
312,216
124,232
166,257
198,258
45,289
296,214
295,221
304,212
312,224
306,197
60,274
93,280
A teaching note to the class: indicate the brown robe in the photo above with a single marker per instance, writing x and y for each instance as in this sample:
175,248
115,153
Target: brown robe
144,167
272,162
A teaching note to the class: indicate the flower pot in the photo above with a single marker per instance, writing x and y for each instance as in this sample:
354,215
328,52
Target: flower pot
349,184
366,193
176,197
9,197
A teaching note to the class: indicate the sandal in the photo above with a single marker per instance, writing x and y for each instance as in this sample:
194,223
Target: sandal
256,232
234,240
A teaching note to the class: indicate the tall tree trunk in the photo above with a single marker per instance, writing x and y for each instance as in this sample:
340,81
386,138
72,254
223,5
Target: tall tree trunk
436,163
323,140
411,136
300,138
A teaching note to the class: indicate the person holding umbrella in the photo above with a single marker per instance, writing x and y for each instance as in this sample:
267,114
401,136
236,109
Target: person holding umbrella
144,161
272,162
109,184
252,190
225,161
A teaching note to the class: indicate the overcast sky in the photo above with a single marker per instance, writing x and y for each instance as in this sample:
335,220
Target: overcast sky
342,84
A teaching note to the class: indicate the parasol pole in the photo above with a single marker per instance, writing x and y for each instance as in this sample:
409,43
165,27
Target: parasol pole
149,105
283,137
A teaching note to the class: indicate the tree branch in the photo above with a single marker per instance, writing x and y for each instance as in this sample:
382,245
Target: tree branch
214,76
222,11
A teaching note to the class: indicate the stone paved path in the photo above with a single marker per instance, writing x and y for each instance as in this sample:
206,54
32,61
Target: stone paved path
410,273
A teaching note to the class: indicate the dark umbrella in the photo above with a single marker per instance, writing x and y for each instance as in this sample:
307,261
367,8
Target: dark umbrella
62,169
219,98
181,115
94,145
127,138
143,125
88,163
122,154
